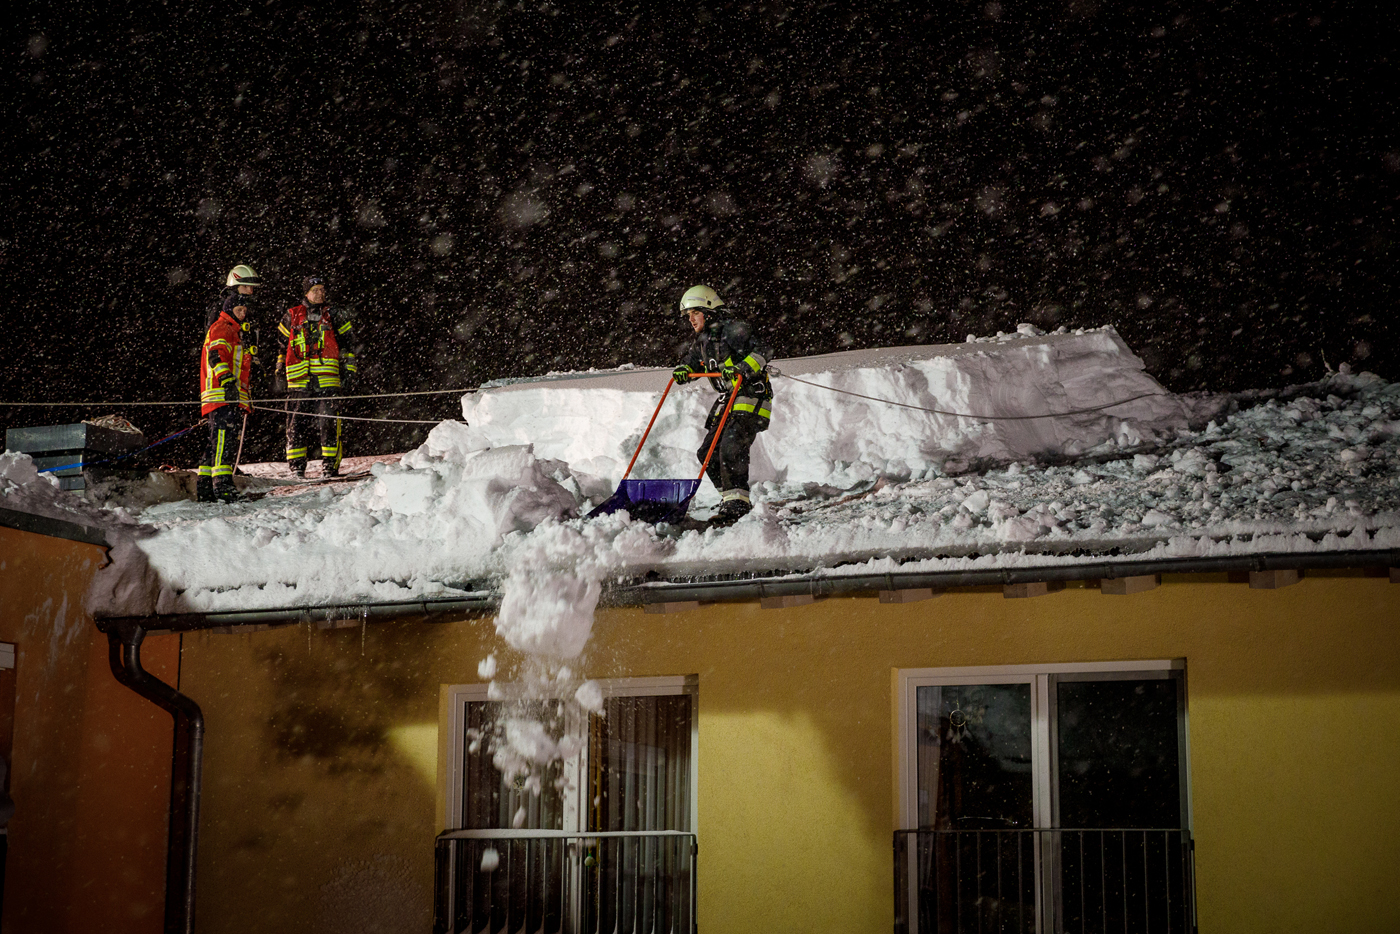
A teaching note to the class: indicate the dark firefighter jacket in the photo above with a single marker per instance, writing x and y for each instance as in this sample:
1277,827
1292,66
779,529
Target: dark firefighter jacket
224,366
732,341
320,346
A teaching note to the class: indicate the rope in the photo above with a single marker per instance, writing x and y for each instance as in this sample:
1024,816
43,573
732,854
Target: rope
983,418
377,395
349,418
113,460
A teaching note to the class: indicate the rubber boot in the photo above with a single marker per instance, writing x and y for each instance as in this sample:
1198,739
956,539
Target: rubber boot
730,512
204,490
227,493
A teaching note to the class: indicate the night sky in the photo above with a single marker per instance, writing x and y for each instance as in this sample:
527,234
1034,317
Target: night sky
505,190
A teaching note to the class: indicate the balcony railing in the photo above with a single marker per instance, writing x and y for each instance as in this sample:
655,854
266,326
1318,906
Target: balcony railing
1042,881
548,881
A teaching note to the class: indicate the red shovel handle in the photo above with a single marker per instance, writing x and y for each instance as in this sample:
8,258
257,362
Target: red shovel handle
733,394
667,392
669,384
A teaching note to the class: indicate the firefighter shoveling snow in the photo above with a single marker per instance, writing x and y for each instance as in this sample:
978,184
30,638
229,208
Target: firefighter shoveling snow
593,421
841,482
843,485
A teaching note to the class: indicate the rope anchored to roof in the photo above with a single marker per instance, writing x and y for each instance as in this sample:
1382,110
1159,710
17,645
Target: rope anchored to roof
984,418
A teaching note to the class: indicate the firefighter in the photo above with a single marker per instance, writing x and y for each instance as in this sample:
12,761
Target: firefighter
225,363
726,345
318,360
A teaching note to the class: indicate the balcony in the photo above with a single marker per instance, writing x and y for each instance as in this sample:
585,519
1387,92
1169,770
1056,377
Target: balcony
1100,881
547,881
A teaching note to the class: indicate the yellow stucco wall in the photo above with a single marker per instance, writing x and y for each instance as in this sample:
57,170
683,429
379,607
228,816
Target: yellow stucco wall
320,800
91,760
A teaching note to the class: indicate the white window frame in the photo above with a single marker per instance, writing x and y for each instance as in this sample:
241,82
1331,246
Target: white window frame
909,680
453,720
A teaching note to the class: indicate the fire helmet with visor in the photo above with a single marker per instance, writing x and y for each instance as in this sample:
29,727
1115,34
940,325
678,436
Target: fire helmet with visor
243,275
699,296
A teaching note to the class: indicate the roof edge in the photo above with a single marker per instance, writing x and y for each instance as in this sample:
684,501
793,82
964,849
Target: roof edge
53,528
480,603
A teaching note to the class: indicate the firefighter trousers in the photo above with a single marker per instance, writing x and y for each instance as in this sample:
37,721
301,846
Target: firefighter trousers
729,467
225,432
310,415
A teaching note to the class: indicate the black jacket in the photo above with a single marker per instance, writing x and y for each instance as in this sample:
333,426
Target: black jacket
732,341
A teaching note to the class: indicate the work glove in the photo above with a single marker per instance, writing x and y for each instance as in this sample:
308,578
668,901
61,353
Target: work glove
230,387
279,381
681,374
731,372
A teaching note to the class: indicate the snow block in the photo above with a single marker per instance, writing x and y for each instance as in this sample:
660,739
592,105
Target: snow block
821,433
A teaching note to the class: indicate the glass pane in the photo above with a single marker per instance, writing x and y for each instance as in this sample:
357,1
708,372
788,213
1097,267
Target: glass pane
489,801
639,778
1119,764
974,756
639,763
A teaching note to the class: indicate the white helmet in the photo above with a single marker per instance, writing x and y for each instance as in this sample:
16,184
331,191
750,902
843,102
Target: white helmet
699,296
243,275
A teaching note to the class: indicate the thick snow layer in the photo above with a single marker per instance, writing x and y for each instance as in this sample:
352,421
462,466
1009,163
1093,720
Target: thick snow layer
844,485
593,422
861,485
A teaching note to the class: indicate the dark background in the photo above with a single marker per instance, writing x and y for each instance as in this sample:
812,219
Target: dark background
504,190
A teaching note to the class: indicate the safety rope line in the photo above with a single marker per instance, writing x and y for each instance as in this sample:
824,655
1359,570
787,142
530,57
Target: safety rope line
983,418
348,418
377,395
439,392
113,460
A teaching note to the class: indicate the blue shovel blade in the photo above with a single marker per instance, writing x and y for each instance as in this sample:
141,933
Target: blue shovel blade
651,500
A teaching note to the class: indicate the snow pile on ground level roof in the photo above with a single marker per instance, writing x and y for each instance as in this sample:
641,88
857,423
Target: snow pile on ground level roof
593,422
1310,469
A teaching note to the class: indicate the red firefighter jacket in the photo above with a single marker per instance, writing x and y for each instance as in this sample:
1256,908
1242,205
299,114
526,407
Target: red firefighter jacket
315,355
224,366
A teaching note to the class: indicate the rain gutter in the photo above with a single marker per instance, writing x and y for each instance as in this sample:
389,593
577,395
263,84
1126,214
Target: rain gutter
776,584
833,584
475,603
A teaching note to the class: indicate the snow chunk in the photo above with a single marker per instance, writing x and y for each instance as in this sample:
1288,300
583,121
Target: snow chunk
823,429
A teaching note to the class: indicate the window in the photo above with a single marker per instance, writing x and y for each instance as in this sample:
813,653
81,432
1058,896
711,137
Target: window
1044,798
608,842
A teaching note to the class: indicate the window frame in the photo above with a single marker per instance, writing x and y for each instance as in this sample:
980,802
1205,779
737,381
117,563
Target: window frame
452,719
907,681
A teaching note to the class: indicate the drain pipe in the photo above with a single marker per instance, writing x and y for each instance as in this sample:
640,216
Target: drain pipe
124,644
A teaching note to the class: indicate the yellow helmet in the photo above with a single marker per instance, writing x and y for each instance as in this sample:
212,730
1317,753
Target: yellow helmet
243,275
699,296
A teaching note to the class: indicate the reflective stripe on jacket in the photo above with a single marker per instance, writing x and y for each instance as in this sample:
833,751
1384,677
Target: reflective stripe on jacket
732,342
313,346
224,366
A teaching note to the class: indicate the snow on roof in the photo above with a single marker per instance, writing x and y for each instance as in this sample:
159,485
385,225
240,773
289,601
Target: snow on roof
843,485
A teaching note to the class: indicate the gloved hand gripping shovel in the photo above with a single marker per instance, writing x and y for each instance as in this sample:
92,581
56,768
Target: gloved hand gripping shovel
663,500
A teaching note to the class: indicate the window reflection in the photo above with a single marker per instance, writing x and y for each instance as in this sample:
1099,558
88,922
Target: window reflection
974,756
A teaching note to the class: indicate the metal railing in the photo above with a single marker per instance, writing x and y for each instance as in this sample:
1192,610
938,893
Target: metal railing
1103,881
547,881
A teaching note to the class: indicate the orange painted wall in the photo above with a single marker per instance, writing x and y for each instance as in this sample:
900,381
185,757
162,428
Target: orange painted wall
90,774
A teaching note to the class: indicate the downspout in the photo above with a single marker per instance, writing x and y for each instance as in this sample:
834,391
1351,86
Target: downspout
124,644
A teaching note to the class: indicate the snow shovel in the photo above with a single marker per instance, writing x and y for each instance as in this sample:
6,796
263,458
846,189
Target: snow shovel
663,500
